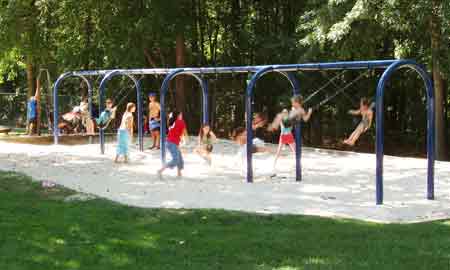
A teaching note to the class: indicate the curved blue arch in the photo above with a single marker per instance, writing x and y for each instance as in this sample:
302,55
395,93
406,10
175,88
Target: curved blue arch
164,89
136,82
55,100
380,125
249,112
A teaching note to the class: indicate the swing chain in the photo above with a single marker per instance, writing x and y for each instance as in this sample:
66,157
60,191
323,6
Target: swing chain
341,90
324,86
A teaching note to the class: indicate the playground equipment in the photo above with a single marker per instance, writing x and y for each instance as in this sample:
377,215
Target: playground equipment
5,130
288,71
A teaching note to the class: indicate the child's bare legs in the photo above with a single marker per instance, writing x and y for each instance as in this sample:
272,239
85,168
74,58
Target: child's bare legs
292,146
280,147
262,149
30,130
177,160
157,138
125,158
208,158
153,139
160,171
355,135
90,126
204,154
277,155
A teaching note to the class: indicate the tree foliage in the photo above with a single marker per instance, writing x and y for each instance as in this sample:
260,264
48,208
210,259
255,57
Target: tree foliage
70,34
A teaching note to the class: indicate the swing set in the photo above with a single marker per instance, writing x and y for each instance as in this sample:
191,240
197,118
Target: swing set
288,72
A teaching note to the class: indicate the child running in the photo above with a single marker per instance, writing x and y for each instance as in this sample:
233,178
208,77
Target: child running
154,110
286,137
177,128
125,133
366,122
206,138
31,115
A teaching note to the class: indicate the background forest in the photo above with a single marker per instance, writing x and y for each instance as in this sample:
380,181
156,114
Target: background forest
68,35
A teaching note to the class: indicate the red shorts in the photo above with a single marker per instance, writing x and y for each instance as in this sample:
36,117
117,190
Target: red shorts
287,138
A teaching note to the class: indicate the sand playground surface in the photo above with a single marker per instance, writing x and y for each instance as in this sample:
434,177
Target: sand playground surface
335,184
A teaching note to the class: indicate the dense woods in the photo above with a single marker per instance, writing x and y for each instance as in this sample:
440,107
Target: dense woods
70,35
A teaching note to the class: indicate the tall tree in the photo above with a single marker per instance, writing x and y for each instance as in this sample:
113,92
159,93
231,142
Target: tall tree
436,41
19,31
180,62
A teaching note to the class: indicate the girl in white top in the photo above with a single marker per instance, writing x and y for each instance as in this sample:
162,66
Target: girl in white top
125,133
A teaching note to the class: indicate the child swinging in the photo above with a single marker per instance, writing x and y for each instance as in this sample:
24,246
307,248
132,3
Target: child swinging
206,138
366,122
107,115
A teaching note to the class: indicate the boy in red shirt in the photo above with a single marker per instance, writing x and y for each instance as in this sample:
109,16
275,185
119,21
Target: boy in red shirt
177,127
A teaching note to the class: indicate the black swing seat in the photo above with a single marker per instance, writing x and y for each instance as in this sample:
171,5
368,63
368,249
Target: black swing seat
5,130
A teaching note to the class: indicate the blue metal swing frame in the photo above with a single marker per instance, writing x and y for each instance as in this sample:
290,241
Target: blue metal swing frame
288,71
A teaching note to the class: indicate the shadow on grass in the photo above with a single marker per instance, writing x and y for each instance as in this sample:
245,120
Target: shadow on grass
41,231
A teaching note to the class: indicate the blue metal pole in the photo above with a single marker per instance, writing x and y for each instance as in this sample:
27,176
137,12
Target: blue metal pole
55,107
298,129
164,89
56,104
102,86
380,126
379,137
137,83
431,126
431,143
91,115
162,127
205,105
101,97
246,69
204,86
91,107
249,116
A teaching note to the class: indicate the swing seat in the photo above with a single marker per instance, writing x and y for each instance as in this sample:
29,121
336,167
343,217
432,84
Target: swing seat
5,130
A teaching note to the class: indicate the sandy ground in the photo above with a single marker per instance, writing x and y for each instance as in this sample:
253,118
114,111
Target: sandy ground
335,184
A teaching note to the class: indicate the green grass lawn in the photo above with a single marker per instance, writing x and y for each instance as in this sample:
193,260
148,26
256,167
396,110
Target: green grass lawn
38,230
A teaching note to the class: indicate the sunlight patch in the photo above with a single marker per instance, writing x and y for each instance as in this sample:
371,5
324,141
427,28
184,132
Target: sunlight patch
147,241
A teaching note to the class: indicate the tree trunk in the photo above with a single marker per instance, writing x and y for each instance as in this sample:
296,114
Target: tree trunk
30,78
438,82
446,117
38,104
236,31
149,58
316,129
180,97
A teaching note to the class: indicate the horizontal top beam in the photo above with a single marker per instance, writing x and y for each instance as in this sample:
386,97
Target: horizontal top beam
377,64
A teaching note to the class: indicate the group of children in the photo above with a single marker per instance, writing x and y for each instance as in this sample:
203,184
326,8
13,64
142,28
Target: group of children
285,121
176,132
